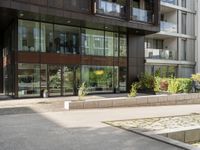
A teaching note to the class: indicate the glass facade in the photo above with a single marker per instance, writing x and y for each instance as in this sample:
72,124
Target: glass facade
54,83
47,37
68,80
98,78
28,80
92,42
28,36
114,8
123,45
66,39
65,79
162,70
143,10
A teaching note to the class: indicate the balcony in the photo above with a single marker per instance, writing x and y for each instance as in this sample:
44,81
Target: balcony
142,15
173,2
168,27
160,54
110,8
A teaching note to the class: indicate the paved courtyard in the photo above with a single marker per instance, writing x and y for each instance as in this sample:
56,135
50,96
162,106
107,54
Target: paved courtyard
38,127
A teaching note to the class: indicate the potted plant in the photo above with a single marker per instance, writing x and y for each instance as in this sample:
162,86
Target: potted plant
146,84
45,93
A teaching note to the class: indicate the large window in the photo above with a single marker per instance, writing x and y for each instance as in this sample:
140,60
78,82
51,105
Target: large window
183,18
142,10
115,8
54,80
123,45
122,78
92,42
66,39
111,44
28,36
47,37
43,77
68,80
161,71
98,78
101,43
28,80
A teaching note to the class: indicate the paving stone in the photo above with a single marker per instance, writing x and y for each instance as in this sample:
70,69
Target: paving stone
76,105
105,103
163,98
124,103
91,104
153,99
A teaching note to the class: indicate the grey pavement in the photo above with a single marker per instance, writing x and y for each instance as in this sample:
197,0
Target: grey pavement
33,129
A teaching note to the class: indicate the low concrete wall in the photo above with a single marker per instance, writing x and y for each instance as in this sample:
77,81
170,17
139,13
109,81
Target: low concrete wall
185,134
154,100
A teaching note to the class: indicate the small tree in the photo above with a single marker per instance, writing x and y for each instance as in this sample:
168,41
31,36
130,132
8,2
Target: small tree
133,91
82,91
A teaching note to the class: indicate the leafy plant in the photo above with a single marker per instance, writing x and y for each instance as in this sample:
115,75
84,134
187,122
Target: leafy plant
173,86
157,84
147,81
82,91
196,77
133,91
180,85
185,85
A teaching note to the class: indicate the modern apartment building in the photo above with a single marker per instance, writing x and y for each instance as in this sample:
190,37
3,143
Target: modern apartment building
171,52
56,45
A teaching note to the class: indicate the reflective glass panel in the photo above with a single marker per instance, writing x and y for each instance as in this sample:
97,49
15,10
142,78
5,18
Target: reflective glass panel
68,80
28,80
28,36
54,80
98,78
46,37
92,42
66,39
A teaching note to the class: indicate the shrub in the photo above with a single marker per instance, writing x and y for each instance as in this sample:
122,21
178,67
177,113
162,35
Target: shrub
196,77
133,91
164,84
82,91
173,86
157,84
146,81
179,85
185,85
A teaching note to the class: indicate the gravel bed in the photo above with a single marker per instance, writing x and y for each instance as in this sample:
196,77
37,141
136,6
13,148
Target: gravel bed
156,124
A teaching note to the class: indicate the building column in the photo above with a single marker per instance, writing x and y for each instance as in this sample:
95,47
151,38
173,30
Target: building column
197,49
136,60
1,66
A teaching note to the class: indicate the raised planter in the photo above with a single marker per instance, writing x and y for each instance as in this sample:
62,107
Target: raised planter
152,100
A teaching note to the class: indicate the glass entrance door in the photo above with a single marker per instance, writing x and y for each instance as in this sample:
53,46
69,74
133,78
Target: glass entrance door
54,80
68,80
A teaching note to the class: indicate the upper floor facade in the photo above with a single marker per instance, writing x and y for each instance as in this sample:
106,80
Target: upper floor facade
133,14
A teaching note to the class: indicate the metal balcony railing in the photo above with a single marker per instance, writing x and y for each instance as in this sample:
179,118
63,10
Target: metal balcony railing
168,27
160,54
110,8
142,15
174,2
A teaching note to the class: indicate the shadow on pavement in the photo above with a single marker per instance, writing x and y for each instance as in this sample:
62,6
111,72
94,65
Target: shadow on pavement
61,131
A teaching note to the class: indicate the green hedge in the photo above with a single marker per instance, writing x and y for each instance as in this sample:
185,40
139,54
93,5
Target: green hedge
174,85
